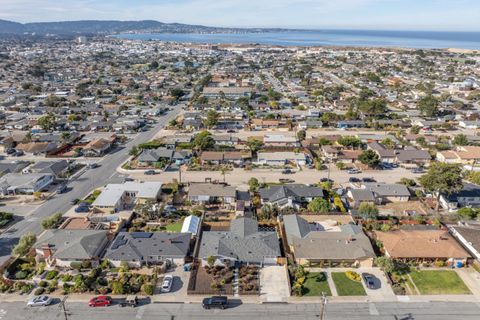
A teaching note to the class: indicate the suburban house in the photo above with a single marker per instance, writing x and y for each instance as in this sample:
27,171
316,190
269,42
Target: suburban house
228,92
17,183
386,155
209,193
280,140
387,192
148,157
281,158
37,148
412,157
125,196
245,242
62,247
98,147
422,244
219,157
462,155
327,243
469,196
468,234
148,248
59,169
290,195
359,196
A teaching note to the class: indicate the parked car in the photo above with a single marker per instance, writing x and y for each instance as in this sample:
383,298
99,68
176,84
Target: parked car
353,180
10,151
353,171
130,301
129,179
100,301
150,172
369,280
167,283
368,180
92,165
19,153
286,180
218,302
62,188
39,301
417,170
288,171
80,209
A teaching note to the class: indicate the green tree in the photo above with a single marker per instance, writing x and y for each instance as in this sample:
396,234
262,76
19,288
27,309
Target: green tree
385,263
52,221
301,135
369,158
319,205
25,244
203,141
212,119
177,93
254,145
47,122
468,213
388,143
253,184
373,107
368,211
349,141
117,287
460,140
428,106
442,178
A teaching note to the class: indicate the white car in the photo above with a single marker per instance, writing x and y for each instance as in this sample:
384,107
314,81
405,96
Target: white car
167,283
39,301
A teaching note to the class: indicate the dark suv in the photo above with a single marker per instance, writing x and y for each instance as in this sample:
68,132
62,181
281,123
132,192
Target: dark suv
215,302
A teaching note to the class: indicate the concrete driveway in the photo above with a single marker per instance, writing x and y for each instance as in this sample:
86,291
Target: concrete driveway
179,287
382,290
274,284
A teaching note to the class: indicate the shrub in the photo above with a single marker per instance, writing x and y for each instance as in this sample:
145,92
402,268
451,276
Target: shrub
43,284
20,275
339,204
352,275
117,287
52,221
76,265
147,288
67,277
25,244
398,290
51,275
39,291
440,263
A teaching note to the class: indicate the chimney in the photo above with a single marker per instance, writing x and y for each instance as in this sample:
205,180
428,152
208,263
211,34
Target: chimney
47,252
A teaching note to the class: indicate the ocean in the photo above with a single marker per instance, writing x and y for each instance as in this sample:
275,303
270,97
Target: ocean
357,38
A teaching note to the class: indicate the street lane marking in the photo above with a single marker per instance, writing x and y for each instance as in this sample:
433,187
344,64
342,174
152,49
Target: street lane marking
2,313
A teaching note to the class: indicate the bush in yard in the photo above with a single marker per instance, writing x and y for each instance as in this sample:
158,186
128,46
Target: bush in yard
20,275
117,287
439,263
51,275
67,277
352,275
52,221
76,265
398,290
39,291
25,244
385,263
43,284
147,288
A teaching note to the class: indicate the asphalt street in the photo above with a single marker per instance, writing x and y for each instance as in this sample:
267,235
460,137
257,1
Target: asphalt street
79,188
351,311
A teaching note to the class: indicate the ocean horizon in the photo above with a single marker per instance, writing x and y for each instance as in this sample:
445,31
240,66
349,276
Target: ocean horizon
307,38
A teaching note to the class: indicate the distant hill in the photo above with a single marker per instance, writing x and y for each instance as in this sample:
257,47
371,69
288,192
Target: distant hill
106,27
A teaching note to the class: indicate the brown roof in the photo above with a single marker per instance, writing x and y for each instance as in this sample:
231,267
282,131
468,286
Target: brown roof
421,244
98,144
469,152
211,156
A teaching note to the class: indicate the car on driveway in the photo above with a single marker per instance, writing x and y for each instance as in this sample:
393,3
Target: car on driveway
218,302
369,280
100,301
288,171
167,283
82,208
39,301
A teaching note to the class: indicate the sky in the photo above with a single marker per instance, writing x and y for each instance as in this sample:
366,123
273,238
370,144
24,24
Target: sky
445,15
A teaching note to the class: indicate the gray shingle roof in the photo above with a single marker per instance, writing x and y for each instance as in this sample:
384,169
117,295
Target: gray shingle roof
388,190
148,246
73,244
243,242
276,193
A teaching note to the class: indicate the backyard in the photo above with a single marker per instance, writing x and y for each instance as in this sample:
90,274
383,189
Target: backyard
438,282
315,284
173,227
347,287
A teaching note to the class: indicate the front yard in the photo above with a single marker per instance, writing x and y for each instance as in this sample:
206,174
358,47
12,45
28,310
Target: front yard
315,284
438,282
346,286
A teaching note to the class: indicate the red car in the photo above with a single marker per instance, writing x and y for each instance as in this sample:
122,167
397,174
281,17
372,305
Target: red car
100,301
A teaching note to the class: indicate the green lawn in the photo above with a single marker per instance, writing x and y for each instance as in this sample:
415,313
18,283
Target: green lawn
315,284
439,282
174,227
347,287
